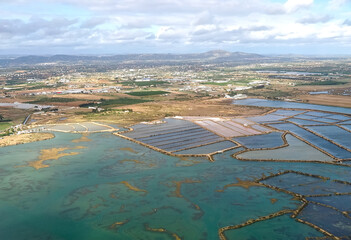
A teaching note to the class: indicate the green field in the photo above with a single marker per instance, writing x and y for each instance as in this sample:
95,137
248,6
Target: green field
147,93
274,94
323,83
115,102
5,125
53,99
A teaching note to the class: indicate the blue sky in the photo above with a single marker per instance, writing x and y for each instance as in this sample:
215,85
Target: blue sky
175,26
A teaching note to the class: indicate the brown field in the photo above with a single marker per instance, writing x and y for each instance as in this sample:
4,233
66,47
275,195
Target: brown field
325,99
14,114
157,110
213,107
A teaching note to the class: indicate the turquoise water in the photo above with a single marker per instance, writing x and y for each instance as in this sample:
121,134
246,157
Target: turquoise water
272,229
82,196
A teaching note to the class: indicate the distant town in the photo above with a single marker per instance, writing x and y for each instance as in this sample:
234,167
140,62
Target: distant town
126,89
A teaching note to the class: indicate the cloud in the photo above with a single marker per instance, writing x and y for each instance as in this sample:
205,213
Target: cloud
18,27
313,19
170,34
93,22
335,4
169,25
238,35
137,22
347,22
205,18
294,5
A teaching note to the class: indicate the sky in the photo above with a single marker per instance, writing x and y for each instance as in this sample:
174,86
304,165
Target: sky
310,27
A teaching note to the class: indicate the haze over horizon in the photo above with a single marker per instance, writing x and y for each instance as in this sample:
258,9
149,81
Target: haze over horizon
125,27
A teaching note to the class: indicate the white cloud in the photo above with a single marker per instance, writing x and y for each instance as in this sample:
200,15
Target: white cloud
335,4
294,5
183,24
313,19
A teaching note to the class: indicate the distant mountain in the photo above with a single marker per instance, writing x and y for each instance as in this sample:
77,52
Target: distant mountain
215,56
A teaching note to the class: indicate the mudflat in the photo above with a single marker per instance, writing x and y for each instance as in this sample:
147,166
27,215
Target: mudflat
24,138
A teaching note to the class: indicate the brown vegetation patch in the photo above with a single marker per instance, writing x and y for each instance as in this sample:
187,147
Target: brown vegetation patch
51,154
190,162
133,188
151,111
128,149
84,138
163,230
24,138
177,191
118,224
241,183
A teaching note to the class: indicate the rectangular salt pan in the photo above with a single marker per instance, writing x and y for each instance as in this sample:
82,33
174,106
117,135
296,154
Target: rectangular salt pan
243,121
190,143
337,201
317,114
94,127
153,132
328,219
167,134
270,140
338,117
347,126
209,148
266,118
227,128
307,185
287,112
61,127
334,133
304,121
260,128
156,142
219,129
315,140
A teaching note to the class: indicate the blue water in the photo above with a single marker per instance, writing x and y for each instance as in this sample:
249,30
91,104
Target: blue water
214,147
315,140
81,196
334,133
338,201
332,221
282,104
113,188
304,122
270,140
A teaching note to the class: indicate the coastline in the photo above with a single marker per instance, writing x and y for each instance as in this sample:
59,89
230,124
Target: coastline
24,138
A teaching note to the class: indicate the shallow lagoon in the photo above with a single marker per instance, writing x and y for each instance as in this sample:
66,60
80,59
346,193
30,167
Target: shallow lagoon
116,189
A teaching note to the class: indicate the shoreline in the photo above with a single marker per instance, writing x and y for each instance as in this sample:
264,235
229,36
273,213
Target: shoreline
24,138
